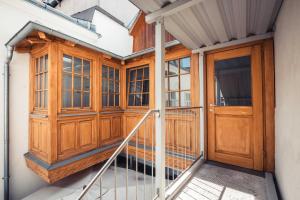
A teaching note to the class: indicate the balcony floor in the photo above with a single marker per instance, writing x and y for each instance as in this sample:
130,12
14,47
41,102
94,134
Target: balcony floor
214,181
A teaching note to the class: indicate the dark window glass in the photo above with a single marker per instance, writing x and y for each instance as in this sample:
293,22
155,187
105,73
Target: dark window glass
77,65
41,82
233,82
110,86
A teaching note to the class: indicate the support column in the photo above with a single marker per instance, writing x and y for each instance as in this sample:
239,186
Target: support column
202,121
160,105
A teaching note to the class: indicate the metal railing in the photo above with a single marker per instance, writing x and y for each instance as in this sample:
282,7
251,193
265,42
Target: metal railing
132,140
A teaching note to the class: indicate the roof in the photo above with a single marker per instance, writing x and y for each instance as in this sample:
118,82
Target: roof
199,23
88,14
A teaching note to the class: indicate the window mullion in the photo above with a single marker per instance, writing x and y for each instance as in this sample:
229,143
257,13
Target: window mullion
72,92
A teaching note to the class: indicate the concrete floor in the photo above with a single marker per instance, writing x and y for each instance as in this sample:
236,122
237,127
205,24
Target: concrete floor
213,182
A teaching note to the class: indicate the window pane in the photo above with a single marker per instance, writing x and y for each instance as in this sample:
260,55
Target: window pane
40,99
86,99
132,75
111,100
40,81
111,86
46,63
86,67
146,86
131,100
67,99
185,98
166,68
166,84
145,101
67,63
111,72
117,87
37,66
138,86
185,65
77,99
86,84
131,87
146,73
139,74
77,65
185,82
104,100
173,67
117,74
46,99
174,98
104,85
117,100
36,99
233,82
42,64
77,82
174,83
138,99
104,72
46,81
167,99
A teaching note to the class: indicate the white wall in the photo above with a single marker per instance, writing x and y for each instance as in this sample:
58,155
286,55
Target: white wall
287,115
116,38
14,15
71,7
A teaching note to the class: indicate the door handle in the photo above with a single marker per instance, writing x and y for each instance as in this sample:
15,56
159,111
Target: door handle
212,105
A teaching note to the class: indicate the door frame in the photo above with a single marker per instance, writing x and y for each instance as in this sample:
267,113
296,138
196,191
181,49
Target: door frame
268,98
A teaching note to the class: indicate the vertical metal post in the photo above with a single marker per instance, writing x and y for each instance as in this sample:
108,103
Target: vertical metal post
160,130
201,80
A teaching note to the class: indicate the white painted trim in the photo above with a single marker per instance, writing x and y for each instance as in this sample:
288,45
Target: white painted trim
234,42
160,136
171,9
202,98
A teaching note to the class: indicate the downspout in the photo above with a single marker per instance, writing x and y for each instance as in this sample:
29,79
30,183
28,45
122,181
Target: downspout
6,121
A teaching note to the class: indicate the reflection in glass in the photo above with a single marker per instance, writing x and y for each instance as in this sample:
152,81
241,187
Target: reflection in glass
233,82
77,99
67,63
139,74
77,82
185,98
104,72
77,65
131,100
145,100
86,84
86,68
67,99
174,99
111,73
173,67
174,83
185,65
67,81
185,83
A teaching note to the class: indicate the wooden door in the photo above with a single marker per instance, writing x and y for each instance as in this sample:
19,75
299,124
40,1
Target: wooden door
234,103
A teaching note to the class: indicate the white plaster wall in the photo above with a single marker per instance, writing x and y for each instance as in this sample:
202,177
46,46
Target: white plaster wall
287,114
115,37
71,7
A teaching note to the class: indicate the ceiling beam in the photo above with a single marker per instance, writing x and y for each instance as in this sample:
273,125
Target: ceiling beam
170,9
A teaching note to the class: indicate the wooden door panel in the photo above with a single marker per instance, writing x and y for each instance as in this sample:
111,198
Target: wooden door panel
233,135
67,138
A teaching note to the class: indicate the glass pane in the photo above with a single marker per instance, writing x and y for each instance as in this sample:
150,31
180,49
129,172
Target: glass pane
166,68
145,101
67,63
131,87
40,81
77,82
166,84
117,74
117,87
46,81
67,99
46,99
117,100
104,72
185,98
131,100
46,63
86,67
174,83
77,65
173,99
132,75
173,67
104,85
86,84
104,100
185,65
146,73
167,100
36,99
77,99
42,64
111,72
111,86
138,99
36,82
40,99
185,82
139,75
138,86
86,99
146,86
111,100
233,82
37,66
67,81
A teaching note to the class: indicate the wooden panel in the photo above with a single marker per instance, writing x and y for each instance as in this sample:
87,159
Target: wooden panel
110,128
105,129
67,138
87,135
233,135
116,127
39,136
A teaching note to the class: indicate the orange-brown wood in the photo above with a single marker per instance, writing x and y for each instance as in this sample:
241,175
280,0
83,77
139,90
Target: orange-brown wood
235,134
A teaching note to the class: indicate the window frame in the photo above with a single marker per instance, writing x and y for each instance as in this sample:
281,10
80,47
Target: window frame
142,66
179,91
115,67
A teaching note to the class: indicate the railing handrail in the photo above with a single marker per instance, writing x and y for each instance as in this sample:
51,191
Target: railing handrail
115,154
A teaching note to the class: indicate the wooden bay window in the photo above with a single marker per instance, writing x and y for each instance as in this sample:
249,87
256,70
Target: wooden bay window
110,87
41,83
